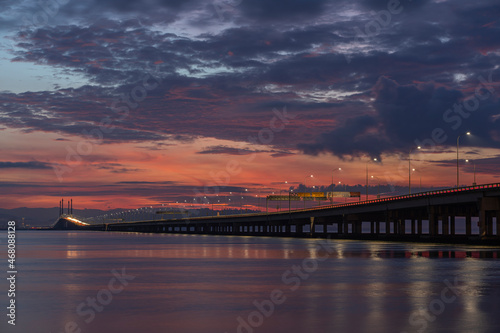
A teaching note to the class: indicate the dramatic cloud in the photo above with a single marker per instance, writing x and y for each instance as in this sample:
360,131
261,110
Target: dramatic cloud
414,115
357,78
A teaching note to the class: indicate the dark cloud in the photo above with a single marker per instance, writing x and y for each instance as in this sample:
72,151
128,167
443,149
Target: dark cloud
411,115
282,9
383,4
226,82
25,165
227,151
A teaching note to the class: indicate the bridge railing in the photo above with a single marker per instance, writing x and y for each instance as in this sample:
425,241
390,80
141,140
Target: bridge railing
350,204
410,196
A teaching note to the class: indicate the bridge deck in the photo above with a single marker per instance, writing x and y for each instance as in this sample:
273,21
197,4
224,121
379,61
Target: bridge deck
426,216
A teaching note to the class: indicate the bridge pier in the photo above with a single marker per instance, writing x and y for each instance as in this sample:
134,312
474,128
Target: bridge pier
401,226
452,225
433,224
488,206
468,224
498,222
445,225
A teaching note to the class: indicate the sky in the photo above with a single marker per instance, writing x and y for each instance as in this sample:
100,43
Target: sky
123,104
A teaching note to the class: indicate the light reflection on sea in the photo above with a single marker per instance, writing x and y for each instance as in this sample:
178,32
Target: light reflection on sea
205,283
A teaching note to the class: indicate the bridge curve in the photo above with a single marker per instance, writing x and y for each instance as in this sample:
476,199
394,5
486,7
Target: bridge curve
426,216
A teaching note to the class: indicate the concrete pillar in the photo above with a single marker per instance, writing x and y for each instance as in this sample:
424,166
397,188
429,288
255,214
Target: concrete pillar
498,222
419,226
468,224
387,226
452,225
445,225
377,227
355,227
485,219
311,225
489,223
482,223
433,224
413,226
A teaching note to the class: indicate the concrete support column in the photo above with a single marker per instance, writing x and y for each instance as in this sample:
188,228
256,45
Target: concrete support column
468,224
358,227
419,226
482,223
377,227
445,225
452,225
488,205
489,223
498,222
497,216
433,223
311,226
413,226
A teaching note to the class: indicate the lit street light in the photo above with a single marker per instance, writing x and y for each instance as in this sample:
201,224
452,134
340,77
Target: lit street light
339,169
375,160
474,165
279,202
458,170
409,168
378,188
305,185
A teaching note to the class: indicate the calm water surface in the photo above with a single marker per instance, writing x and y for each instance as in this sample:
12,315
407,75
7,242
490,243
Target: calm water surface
119,282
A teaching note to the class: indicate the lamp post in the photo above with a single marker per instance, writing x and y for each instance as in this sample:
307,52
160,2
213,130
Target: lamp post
305,185
378,188
409,168
375,160
458,167
474,165
333,186
339,169
281,187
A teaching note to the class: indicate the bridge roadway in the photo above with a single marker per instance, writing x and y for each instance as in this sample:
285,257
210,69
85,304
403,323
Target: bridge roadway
426,216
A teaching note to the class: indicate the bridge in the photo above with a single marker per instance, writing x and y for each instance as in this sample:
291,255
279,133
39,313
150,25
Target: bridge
433,216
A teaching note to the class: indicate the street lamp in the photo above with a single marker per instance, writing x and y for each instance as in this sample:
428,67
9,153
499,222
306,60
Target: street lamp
378,189
339,169
458,170
409,168
305,185
375,160
474,164
279,202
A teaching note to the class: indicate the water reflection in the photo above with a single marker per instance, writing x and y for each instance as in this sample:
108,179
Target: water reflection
205,283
